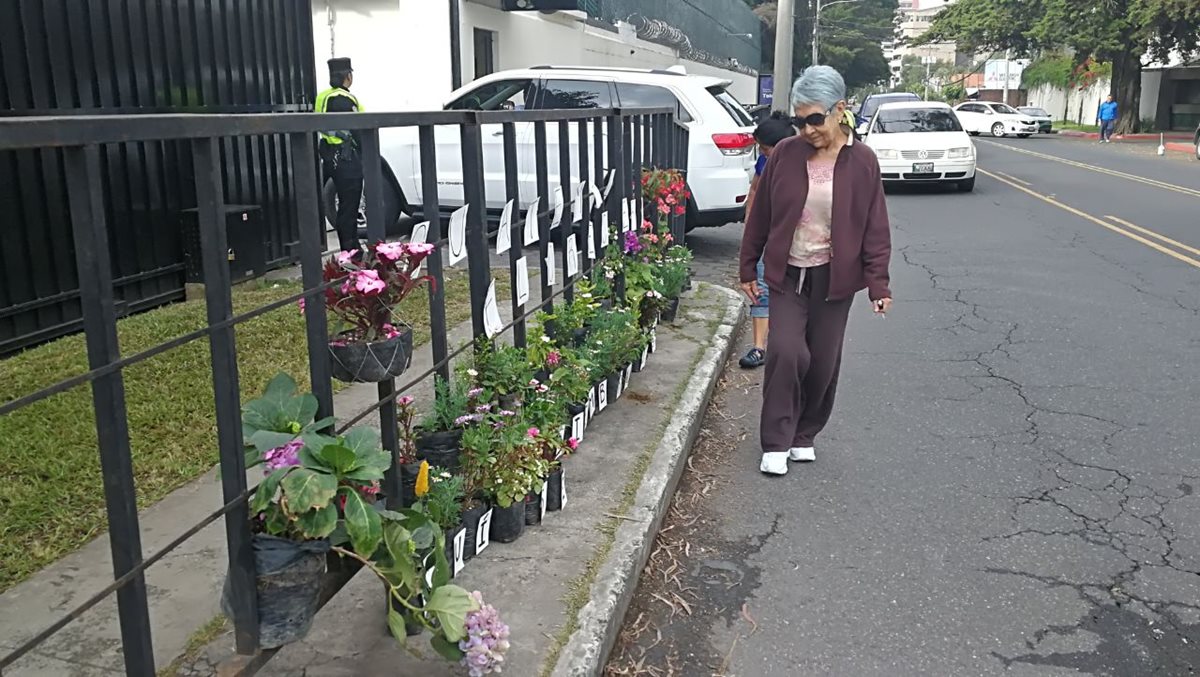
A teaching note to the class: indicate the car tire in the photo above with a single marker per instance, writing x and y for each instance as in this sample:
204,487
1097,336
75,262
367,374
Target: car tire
393,201
966,185
998,130
1198,149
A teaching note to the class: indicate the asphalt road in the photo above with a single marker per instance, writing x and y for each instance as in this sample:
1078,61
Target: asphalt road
1011,480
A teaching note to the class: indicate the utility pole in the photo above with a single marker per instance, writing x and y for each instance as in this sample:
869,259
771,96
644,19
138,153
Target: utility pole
816,50
455,45
1006,74
785,35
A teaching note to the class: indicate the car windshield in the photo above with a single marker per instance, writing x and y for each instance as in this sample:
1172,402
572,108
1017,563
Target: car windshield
1035,111
872,104
1005,108
906,120
731,106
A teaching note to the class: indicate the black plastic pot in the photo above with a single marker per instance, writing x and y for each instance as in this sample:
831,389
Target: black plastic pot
372,362
579,337
614,386
541,375
287,579
451,536
555,490
669,312
408,483
472,519
508,523
441,448
576,409
606,304
533,510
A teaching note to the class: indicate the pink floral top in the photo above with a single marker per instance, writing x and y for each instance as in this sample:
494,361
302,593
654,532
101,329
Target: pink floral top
811,243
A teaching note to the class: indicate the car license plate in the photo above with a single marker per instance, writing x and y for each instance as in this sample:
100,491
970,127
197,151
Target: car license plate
922,168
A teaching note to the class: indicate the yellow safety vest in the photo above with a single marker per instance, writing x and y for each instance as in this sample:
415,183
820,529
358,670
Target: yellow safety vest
335,138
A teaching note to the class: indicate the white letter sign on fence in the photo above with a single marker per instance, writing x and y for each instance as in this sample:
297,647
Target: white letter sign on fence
522,281
604,231
504,235
420,233
458,234
531,221
572,256
577,204
591,241
483,532
597,198
551,270
609,176
559,206
625,220
492,324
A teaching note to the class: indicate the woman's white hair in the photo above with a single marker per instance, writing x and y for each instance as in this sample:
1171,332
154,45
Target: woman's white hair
818,85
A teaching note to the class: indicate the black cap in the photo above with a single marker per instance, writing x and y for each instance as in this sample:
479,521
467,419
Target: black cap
340,65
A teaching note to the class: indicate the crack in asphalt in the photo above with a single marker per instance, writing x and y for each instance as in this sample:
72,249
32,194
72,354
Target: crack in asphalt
1119,513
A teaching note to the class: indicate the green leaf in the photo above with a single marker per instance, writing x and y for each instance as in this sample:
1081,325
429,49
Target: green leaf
441,565
259,415
361,440
423,536
376,460
266,440
317,441
306,489
445,648
253,457
364,474
281,387
396,538
396,624
451,604
266,490
362,523
318,523
324,423
337,457
277,522
305,408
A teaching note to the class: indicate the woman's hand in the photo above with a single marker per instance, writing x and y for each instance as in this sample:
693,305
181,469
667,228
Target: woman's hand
881,306
750,289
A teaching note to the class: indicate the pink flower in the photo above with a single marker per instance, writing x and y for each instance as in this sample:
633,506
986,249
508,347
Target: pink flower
553,358
389,331
653,238
390,251
301,304
406,400
663,208
419,248
533,432
573,443
368,282
346,258
533,383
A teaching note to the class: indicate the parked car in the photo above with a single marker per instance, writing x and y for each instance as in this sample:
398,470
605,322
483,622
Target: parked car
1197,141
995,118
872,103
1041,117
922,142
721,151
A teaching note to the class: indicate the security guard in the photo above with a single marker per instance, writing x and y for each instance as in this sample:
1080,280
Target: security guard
341,152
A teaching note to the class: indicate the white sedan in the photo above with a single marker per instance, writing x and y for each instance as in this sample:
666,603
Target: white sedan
922,142
995,118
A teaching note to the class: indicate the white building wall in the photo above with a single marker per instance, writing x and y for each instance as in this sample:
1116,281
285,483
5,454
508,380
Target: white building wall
1083,106
401,52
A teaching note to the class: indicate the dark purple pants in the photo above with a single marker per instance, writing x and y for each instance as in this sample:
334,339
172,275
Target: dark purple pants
803,360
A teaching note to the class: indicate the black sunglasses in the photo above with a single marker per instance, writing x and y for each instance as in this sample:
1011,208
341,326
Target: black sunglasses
814,120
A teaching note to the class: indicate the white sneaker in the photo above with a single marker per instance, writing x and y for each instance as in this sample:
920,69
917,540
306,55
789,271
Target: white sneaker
802,454
774,463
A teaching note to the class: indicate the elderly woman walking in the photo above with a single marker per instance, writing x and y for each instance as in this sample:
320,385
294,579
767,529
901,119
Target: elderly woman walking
820,225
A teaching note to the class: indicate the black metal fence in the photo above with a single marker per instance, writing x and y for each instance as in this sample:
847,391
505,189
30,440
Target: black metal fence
622,142
124,57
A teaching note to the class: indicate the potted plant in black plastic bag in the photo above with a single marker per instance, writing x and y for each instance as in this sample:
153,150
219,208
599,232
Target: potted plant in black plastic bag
372,344
441,499
502,462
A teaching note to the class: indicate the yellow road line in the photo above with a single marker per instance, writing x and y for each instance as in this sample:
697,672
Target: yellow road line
1151,233
1101,170
1084,215
1023,182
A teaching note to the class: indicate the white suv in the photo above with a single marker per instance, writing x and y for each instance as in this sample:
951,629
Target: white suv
721,153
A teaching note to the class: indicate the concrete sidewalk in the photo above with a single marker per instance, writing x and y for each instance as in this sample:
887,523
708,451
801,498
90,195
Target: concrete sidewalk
564,586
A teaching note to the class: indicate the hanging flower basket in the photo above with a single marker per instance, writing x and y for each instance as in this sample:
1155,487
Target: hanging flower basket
359,362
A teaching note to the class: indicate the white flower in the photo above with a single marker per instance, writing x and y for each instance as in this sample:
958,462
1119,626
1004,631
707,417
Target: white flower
472,373
545,339
586,295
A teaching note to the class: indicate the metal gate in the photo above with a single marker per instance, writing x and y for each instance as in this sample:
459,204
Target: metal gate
104,57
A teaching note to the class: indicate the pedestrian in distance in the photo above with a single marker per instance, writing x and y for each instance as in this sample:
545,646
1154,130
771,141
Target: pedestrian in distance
341,153
820,226
768,134
1108,119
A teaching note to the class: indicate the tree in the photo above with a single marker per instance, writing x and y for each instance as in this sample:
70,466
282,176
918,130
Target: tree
1120,32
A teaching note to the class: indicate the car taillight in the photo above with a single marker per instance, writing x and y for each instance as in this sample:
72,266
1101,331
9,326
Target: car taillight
734,144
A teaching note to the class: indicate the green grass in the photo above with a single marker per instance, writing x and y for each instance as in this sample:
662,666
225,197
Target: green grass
51,490
1073,126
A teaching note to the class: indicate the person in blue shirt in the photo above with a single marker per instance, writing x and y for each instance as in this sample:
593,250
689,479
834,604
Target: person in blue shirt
1108,119
768,134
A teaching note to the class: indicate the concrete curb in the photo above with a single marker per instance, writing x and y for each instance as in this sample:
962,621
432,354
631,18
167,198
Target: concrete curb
599,621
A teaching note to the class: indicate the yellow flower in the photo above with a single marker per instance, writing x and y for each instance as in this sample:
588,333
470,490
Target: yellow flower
422,487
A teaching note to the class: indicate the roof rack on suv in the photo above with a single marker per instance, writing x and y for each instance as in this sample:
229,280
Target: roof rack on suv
655,71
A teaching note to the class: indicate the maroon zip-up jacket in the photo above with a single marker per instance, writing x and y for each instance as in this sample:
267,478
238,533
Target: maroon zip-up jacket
861,235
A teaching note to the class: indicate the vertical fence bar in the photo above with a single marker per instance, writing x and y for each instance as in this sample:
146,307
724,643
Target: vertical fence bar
605,209
585,177
516,249
478,263
373,185
681,162
543,189
567,227
210,200
312,244
437,293
616,159
93,262
638,160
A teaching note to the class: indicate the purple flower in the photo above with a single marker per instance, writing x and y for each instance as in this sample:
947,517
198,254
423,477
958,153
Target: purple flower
486,641
632,244
474,392
483,409
284,456
465,419
505,412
